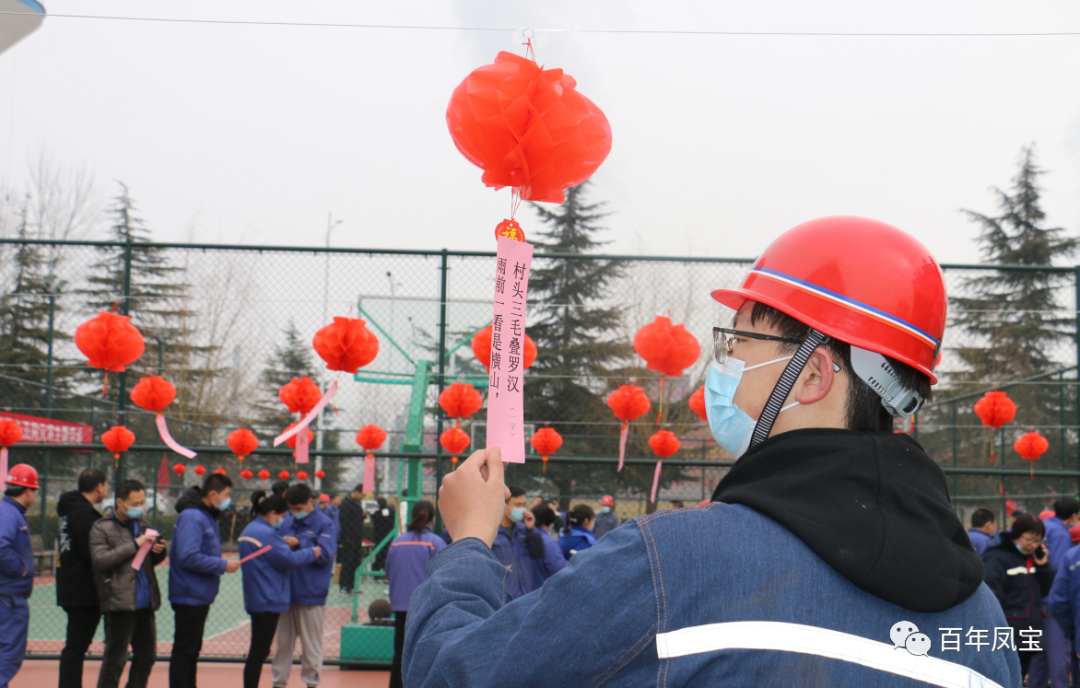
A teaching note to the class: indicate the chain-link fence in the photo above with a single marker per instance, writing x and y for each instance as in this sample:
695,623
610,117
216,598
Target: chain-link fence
229,324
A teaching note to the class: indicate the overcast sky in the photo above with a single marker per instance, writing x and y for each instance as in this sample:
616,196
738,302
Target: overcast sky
252,134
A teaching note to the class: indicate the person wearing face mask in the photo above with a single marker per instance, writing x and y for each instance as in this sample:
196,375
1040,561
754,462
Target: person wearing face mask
16,568
578,535
517,544
129,597
75,591
305,527
266,577
1019,574
827,531
195,572
606,520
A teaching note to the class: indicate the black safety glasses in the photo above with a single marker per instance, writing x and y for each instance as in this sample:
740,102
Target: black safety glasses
724,340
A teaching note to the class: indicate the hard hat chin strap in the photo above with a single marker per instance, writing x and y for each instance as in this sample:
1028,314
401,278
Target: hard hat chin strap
784,386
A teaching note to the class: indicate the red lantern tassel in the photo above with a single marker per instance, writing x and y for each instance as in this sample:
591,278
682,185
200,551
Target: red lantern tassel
545,460
656,480
624,433
660,413
116,461
369,474
991,445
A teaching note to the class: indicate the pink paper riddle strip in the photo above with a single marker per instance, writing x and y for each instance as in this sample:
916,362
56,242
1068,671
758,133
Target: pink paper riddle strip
3,465
656,481
302,444
505,414
330,392
136,563
624,433
257,553
369,474
163,430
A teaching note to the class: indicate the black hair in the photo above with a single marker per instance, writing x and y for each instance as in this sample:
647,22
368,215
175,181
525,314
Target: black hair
544,515
298,494
382,502
864,410
423,515
216,482
359,488
127,487
279,487
981,516
261,505
1066,507
1026,523
577,516
515,491
90,479
15,490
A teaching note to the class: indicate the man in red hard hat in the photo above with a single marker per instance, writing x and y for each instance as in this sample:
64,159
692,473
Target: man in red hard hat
606,520
830,556
16,568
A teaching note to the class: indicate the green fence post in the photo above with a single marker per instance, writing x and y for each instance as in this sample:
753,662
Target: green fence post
121,399
1076,321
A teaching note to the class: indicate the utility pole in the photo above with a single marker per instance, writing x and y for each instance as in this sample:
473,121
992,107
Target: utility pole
320,430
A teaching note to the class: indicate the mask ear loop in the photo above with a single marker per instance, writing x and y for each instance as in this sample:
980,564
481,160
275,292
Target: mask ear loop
784,386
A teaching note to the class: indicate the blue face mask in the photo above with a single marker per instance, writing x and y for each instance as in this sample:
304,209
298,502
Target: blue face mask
134,511
224,505
605,509
730,426
517,515
300,516
276,526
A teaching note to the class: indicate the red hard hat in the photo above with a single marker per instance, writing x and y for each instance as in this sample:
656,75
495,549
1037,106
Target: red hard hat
857,280
1074,533
23,475
1043,515
324,498
607,500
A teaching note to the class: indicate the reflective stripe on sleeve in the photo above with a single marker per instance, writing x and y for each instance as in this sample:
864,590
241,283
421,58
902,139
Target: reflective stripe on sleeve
822,642
248,538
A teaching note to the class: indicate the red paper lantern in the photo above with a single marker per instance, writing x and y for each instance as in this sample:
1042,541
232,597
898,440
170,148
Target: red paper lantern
284,475
460,400
527,128
320,474
246,474
10,432
118,439
455,441
481,347
1030,447
697,403
301,475
668,349
221,471
242,442
370,437
153,393
291,442
179,469
995,409
664,443
346,345
199,470
300,395
110,341
629,402
546,441
264,474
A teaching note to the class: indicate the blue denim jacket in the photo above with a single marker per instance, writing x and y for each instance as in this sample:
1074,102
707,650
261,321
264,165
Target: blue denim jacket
717,596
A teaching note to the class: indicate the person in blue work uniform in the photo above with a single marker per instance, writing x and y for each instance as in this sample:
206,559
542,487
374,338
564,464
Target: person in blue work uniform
266,577
406,568
1051,666
830,555
577,536
326,505
16,568
1064,601
517,544
129,597
195,571
553,560
305,527
983,529
607,520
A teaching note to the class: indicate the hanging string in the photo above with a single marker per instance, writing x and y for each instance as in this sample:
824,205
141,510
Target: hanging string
660,414
515,201
530,52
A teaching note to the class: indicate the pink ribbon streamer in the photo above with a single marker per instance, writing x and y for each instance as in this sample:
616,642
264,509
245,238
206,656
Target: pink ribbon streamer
288,434
624,433
656,481
163,430
302,444
257,553
3,465
369,474
136,563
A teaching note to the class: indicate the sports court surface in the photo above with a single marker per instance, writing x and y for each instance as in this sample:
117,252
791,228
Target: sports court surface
38,673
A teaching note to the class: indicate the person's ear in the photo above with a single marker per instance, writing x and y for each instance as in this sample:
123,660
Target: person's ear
817,378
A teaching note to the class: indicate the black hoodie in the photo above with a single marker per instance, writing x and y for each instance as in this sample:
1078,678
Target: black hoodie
74,575
873,505
193,499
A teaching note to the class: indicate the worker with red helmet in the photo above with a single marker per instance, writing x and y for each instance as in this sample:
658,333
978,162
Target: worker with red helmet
830,554
606,520
16,568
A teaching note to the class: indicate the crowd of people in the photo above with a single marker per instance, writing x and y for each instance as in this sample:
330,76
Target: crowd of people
105,571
